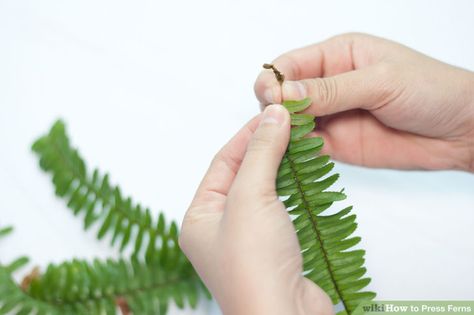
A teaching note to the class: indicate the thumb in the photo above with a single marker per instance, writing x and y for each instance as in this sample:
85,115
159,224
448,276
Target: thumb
367,88
258,171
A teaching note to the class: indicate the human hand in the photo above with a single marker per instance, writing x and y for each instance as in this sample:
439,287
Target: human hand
380,104
237,233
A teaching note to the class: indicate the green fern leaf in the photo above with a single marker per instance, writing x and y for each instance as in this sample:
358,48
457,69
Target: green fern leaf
156,254
17,264
77,287
99,202
325,240
5,231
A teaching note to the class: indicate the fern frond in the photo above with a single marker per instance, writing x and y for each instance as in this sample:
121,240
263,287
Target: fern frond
4,231
101,203
77,287
326,240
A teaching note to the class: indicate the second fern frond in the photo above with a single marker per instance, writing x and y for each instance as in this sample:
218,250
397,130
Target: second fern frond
101,203
79,287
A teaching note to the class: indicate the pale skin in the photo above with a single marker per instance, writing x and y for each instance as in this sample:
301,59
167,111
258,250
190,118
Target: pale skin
380,104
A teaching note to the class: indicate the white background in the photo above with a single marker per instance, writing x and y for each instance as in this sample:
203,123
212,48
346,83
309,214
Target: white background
150,90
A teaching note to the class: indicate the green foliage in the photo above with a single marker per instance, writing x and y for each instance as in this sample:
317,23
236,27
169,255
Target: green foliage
5,231
326,240
78,287
91,194
156,274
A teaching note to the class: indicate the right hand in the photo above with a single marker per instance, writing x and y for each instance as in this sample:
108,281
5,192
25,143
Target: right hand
380,104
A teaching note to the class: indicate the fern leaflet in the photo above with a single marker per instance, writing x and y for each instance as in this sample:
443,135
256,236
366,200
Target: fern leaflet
5,231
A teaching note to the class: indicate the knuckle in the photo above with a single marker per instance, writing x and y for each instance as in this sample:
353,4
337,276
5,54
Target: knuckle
350,37
260,142
389,82
384,70
218,158
324,90
226,160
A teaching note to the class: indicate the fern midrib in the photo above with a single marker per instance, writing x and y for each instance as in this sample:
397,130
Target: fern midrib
314,225
128,292
91,187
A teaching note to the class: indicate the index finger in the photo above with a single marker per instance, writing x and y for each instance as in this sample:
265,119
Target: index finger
327,58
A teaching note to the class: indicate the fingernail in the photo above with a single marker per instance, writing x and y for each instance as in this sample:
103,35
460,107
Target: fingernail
273,114
268,95
294,90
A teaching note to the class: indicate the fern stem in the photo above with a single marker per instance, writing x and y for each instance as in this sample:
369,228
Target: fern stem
314,225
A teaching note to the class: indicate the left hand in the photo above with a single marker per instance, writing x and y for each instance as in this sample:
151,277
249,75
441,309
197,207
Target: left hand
238,234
